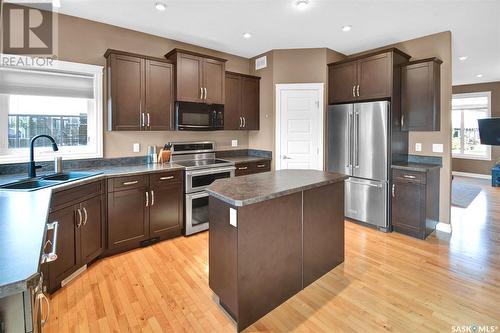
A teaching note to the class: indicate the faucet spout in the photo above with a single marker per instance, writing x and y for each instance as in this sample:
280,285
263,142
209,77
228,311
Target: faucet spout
32,166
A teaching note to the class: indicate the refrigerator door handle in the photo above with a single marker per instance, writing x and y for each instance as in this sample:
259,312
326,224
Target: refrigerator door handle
349,140
356,139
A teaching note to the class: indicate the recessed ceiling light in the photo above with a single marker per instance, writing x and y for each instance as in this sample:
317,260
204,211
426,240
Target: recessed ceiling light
247,35
302,4
463,58
346,28
479,75
161,6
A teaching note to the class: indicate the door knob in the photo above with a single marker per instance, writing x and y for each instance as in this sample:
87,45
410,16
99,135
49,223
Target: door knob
286,157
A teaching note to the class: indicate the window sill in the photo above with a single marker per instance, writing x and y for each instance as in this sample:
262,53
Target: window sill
12,159
469,157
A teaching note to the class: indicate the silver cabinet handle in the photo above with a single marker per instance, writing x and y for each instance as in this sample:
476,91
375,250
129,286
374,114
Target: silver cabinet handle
409,176
147,198
152,198
242,168
393,189
52,255
241,122
357,90
167,178
205,92
244,122
86,216
79,224
130,183
402,120
148,120
201,93
261,165
143,120
354,91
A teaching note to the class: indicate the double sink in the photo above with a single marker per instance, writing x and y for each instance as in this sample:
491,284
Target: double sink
31,184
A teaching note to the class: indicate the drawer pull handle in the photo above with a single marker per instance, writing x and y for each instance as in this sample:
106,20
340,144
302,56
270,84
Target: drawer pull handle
261,165
131,183
167,178
242,168
409,177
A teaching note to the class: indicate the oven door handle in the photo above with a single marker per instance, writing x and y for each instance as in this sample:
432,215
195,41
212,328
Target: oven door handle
192,196
210,171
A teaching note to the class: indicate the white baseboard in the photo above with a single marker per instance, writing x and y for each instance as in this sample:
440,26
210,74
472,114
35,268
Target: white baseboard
444,227
471,175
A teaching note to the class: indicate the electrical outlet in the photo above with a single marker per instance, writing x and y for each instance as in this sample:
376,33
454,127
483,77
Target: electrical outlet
234,143
418,147
136,147
437,147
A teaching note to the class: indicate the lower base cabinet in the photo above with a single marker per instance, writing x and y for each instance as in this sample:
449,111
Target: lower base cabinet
415,202
248,168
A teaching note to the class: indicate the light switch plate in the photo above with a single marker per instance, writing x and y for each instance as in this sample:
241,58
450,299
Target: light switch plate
136,147
234,143
233,217
418,147
437,147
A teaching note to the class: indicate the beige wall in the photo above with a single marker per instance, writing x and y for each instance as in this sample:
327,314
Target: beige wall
477,166
287,66
86,41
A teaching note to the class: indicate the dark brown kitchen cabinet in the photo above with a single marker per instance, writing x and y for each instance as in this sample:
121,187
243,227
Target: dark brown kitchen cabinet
241,109
79,212
415,202
144,208
248,168
365,77
199,78
140,92
421,95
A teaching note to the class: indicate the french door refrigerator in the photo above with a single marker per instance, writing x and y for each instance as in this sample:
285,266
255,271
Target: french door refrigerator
359,146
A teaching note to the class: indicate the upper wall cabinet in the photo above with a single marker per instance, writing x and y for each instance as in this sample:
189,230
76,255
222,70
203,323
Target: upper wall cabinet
421,95
366,77
140,92
241,109
199,78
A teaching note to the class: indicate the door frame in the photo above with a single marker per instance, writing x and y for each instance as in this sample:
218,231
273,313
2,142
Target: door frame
320,87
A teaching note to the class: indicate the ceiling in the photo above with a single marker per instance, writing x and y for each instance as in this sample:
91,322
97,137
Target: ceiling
277,24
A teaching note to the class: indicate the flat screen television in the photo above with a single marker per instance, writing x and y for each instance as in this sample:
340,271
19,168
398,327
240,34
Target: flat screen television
489,131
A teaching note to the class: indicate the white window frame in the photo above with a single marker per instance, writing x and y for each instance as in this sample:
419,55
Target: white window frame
64,67
486,94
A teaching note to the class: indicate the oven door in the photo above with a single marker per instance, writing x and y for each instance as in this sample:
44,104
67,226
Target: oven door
199,180
196,212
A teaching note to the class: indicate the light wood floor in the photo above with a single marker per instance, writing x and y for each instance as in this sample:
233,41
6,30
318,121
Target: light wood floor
388,282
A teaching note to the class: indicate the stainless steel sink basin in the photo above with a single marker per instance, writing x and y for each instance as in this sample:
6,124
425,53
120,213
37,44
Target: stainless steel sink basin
32,184
69,176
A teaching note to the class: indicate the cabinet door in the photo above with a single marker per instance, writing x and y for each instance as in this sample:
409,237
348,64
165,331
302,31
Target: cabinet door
342,82
127,217
127,92
92,229
159,95
213,81
189,78
166,210
232,105
250,103
68,246
374,77
408,216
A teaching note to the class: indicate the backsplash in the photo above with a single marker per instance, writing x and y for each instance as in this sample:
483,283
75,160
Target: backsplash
437,160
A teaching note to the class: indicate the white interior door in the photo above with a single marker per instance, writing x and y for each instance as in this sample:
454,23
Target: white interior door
299,132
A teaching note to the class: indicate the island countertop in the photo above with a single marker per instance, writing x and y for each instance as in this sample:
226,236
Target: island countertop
246,190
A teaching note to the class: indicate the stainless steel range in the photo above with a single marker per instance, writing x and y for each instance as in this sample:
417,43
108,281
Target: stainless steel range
202,169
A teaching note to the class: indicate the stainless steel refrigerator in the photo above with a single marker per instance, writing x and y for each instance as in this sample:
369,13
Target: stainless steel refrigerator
359,141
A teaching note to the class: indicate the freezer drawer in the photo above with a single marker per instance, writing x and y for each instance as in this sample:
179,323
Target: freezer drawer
366,201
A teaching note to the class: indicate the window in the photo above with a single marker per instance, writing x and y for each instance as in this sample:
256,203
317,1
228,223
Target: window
466,110
63,100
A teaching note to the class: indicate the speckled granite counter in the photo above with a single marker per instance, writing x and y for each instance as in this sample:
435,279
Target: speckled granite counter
412,166
23,216
246,190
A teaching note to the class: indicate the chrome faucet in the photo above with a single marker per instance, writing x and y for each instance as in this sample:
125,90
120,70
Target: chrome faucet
32,166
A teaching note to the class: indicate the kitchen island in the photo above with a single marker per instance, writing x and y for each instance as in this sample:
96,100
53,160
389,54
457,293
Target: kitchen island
271,235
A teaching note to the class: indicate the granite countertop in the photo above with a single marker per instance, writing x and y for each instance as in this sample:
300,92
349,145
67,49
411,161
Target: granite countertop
246,190
23,216
244,159
414,166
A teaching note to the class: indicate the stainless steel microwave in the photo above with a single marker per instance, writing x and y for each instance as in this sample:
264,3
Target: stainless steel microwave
198,116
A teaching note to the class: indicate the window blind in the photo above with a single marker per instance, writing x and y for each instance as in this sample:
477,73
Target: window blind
45,83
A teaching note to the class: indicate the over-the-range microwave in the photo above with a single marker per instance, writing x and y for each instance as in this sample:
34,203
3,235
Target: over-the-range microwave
198,116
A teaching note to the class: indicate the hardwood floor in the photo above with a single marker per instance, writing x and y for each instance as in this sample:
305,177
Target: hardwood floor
388,282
